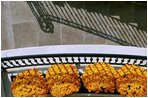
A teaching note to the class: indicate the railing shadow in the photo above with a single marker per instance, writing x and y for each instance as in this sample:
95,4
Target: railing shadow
90,20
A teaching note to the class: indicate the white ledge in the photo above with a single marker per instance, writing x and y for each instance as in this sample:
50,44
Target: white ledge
66,49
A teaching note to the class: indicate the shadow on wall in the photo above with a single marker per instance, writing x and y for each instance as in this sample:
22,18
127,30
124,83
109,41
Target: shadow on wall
89,17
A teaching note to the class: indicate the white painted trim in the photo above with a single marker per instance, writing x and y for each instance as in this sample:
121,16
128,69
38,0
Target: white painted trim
60,49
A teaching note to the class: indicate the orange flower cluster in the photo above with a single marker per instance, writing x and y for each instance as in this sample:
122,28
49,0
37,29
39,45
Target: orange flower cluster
29,83
129,80
63,79
99,77
132,81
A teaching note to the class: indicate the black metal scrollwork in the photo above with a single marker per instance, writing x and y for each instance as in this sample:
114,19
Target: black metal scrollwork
46,24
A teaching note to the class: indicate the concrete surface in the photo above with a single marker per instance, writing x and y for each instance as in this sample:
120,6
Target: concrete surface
21,29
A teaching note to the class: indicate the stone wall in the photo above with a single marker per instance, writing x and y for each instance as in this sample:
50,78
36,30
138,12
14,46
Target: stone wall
19,27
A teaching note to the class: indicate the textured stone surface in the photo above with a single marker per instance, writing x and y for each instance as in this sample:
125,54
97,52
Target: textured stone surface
111,43
21,29
25,34
20,12
49,38
7,39
94,39
71,35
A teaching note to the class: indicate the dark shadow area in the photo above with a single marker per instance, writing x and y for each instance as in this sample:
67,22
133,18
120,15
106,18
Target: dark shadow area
95,18
127,10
